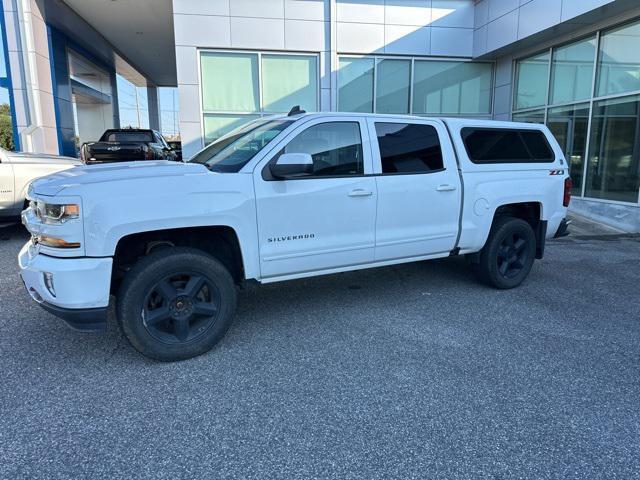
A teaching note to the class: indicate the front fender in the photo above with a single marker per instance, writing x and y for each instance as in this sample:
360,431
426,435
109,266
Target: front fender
109,217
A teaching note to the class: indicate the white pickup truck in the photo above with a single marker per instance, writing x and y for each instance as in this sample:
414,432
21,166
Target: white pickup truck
17,170
282,198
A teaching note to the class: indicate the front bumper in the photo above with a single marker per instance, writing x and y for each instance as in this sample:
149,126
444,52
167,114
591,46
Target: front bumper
80,293
81,319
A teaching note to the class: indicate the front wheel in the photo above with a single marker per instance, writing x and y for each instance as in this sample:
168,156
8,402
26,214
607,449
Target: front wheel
507,257
176,303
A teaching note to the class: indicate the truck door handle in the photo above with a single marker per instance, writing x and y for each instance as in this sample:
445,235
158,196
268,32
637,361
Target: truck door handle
445,188
360,192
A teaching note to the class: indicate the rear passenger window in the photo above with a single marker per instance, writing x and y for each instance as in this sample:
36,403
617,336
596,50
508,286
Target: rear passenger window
501,145
409,148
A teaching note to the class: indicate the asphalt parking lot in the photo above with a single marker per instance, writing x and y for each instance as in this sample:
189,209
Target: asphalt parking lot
405,372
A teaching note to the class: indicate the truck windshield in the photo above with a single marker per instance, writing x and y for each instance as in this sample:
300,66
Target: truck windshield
233,151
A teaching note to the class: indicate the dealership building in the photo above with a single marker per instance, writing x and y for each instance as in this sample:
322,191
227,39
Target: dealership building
198,68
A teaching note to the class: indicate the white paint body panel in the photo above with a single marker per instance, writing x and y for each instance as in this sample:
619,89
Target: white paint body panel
18,170
417,214
401,218
79,283
338,229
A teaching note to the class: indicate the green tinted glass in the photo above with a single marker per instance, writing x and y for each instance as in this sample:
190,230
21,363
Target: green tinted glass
531,81
289,80
392,86
572,71
216,126
619,62
452,88
230,82
355,84
613,172
534,116
569,125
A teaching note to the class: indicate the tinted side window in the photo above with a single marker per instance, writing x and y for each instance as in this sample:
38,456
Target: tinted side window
538,146
500,145
336,148
409,148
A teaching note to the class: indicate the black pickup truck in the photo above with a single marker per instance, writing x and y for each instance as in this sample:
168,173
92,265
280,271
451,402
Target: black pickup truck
127,144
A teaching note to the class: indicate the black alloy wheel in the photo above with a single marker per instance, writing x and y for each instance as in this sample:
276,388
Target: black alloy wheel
512,255
180,308
508,254
176,303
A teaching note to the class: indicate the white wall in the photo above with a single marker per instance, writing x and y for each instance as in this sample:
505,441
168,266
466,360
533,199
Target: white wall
292,25
440,28
406,27
409,27
501,22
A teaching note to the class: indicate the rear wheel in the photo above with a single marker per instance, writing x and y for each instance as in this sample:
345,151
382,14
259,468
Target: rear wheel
507,257
176,303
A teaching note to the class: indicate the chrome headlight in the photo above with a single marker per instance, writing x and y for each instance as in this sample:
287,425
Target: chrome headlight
55,214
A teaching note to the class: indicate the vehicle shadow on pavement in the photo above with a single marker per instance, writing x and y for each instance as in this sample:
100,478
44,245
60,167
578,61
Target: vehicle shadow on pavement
9,231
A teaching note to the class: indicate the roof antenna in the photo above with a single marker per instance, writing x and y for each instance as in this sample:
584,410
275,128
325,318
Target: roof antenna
295,111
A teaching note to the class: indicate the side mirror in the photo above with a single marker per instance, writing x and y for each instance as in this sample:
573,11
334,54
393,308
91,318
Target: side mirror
290,165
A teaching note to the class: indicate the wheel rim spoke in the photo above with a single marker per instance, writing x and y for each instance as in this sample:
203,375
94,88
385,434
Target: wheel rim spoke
181,328
504,267
166,290
509,241
181,307
157,315
205,309
194,285
519,245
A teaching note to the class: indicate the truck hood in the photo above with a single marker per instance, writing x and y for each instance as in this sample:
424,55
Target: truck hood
113,172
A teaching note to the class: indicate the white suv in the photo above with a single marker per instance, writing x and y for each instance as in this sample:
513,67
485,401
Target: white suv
282,198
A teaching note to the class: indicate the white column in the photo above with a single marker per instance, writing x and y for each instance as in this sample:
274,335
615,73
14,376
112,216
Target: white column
31,77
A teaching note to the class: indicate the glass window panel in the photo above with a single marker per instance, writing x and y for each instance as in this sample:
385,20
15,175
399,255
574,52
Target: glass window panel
336,148
234,150
216,126
392,86
409,148
452,88
534,116
355,85
230,82
501,145
613,171
531,81
569,125
619,61
289,80
572,71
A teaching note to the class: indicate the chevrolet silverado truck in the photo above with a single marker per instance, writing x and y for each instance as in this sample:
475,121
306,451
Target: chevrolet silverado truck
283,198
127,144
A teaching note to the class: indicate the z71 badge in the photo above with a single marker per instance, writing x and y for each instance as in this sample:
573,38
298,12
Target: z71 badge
288,238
